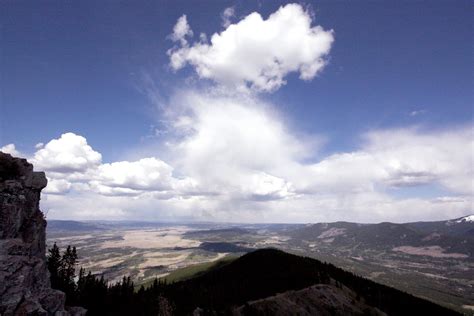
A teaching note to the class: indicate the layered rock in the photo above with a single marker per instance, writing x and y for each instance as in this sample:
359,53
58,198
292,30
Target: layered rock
24,278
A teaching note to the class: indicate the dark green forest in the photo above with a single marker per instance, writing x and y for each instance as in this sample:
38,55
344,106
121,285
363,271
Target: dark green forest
256,275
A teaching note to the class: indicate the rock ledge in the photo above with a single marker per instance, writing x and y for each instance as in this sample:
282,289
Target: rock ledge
24,278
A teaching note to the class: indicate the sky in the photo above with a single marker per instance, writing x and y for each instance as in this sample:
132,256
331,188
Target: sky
242,111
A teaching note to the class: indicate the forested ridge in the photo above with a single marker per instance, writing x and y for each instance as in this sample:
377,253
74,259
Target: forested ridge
253,276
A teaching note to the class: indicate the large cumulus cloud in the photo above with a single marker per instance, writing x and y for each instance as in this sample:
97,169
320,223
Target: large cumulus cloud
256,52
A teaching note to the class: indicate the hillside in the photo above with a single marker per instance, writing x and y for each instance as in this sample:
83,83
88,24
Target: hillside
263,282
189,272
313,300
267,272
433,260
452,236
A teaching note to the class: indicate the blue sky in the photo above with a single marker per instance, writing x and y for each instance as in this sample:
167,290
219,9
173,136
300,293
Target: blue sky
91,68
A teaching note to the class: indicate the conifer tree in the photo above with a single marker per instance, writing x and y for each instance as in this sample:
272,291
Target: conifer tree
54,264
67,273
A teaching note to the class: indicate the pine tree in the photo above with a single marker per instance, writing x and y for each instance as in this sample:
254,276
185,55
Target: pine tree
54,264
81,283
67,273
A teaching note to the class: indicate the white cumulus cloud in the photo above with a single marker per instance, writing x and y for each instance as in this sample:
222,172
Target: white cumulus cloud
264,187
57,186
257,52
399,158
236,147
10,149
148,174
69,153
412,157
72,165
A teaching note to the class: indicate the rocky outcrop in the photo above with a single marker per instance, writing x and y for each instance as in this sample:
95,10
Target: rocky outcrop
24,278
320,299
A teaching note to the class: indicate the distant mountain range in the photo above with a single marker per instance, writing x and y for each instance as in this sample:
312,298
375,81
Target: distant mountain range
455,237
429,259
55,226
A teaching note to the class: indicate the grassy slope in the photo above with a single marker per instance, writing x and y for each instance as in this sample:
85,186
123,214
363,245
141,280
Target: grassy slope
192,270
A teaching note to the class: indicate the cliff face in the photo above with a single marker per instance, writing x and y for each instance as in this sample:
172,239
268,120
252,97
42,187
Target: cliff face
24,278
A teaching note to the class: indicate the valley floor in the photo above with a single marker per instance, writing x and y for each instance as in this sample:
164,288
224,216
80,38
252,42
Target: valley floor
147,251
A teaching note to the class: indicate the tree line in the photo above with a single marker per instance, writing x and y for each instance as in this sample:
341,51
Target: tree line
256,275
99,296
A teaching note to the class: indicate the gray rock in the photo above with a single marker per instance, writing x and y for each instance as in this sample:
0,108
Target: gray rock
320,299
77,311
24,278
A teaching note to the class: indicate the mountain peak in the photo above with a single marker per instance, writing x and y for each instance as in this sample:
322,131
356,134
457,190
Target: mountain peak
466,219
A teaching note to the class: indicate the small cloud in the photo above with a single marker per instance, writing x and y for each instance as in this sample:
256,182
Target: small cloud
450,199
226,16
10,149
181,30
39,145
265,187
417,112
403,178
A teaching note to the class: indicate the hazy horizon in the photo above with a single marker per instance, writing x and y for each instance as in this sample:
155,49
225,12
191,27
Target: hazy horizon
237,224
